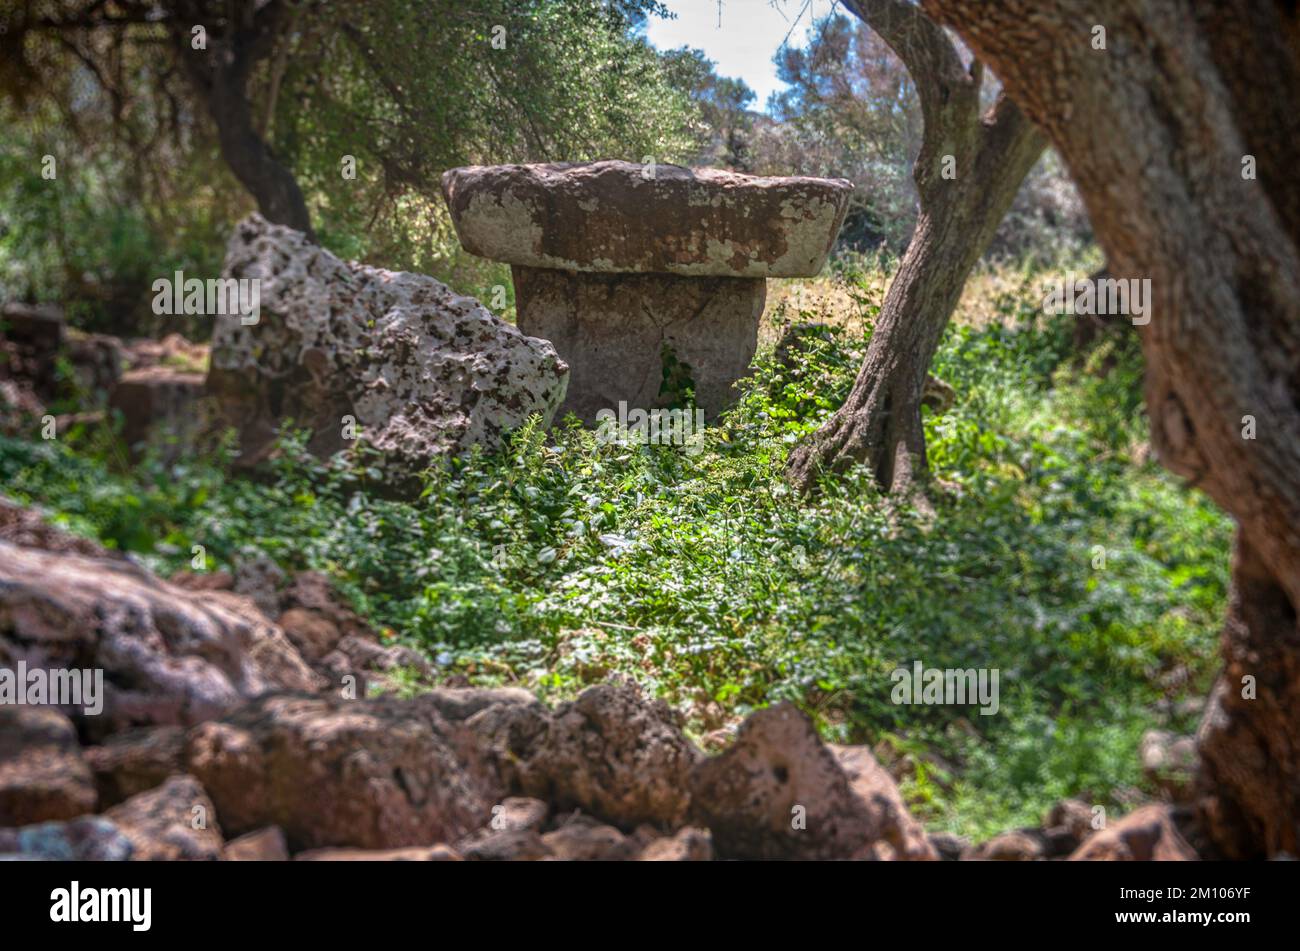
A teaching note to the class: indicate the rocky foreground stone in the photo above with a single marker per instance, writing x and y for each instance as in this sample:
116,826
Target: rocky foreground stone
367,357
155,386
167,656
229,733
635,270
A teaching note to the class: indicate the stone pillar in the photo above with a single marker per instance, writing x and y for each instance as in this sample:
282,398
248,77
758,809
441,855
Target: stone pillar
646,279
626,331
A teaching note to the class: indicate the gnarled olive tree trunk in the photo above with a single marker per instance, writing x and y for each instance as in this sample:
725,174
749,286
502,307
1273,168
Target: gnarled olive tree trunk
969,168
240,35
1183,138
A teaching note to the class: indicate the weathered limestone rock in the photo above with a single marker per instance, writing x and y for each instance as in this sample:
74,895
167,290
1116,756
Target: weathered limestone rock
780,793
633,270
422,371
167,656
162,408
903,837
174,821
620,217
614,754
367,774
42,774
1147,834
601,321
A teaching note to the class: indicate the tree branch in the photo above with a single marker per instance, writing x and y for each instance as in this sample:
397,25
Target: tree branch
949,93
925,49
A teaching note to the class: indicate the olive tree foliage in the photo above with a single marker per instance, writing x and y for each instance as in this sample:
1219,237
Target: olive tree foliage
851,111
340,116
726,125
410,89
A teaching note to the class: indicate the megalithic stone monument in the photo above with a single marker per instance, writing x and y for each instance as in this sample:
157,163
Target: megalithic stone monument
633,270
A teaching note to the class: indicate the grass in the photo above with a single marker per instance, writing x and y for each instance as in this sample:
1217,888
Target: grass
561,561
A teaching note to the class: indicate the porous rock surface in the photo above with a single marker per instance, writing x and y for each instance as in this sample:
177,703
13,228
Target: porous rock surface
612,217
368,774
615,755
168,656
778,792
422,371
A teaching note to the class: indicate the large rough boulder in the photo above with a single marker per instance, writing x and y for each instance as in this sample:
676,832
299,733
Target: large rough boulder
1150,833
42,774
135,761
421,371
368,774
872,786
780,793
611,753
168,656
175,821
641,273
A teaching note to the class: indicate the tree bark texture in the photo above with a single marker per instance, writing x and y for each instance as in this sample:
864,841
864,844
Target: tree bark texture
1160,130
970,165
